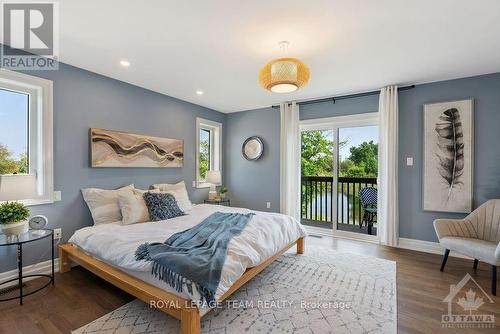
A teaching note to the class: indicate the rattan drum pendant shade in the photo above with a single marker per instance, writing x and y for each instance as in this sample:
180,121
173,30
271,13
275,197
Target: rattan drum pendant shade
284,75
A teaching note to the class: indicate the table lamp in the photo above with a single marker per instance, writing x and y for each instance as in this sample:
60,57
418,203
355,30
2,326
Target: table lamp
17,187
214,177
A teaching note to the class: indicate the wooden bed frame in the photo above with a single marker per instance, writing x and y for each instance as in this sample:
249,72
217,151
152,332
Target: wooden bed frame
178,307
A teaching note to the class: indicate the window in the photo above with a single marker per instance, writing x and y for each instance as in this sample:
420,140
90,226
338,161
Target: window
208,149
25,138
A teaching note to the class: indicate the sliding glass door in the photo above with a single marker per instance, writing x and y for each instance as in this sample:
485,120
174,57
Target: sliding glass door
339,165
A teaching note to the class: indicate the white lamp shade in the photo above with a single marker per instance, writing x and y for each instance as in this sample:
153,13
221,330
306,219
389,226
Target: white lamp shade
214,176
17,187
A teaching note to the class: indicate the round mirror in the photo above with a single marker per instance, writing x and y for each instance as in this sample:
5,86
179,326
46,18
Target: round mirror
252,148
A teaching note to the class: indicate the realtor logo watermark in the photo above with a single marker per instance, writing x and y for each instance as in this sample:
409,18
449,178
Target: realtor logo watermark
464,302
30,35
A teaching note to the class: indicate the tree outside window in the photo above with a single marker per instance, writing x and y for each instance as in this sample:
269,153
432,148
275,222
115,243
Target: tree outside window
205,154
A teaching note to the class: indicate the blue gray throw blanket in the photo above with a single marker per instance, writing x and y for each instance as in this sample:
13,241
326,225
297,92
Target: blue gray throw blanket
195,256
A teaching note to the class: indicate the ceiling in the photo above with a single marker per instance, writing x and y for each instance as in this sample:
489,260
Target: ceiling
218,46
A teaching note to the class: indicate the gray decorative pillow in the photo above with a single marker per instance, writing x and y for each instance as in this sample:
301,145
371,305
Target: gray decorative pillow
162,206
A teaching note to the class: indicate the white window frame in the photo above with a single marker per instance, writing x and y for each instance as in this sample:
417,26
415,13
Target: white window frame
215,129
41,162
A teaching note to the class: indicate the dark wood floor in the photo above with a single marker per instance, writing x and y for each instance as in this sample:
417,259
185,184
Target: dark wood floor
80,297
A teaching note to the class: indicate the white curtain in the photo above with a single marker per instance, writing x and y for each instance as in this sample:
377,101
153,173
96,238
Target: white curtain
388,204
290,160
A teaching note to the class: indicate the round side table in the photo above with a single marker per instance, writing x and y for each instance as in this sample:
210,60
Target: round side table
19,241
222,201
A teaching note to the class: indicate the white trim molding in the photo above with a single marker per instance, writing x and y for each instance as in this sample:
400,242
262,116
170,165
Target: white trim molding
215,129
426,247
324,232
404,243
327,123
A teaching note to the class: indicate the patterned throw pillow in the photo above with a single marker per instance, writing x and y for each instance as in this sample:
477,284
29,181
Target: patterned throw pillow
162,206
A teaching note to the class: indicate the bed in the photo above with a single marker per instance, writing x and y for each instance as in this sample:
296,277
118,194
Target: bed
108,251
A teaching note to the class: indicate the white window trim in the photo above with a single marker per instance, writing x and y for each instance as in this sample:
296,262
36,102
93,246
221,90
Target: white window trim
41,98
216,139
327,123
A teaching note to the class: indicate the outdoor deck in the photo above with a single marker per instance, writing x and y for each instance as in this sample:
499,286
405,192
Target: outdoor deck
317,202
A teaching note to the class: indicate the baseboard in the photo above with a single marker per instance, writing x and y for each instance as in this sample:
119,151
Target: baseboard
405,243
324,232
426,247
37,268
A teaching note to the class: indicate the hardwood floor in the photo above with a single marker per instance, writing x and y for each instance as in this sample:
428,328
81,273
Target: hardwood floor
80,297
77,298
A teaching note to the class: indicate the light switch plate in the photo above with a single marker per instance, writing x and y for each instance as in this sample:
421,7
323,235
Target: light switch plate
57,196
409,161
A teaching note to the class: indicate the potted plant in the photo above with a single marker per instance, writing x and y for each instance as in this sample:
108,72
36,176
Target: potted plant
222,192
14,218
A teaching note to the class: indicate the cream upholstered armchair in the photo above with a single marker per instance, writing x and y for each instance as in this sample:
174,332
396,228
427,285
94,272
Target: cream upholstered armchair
477,236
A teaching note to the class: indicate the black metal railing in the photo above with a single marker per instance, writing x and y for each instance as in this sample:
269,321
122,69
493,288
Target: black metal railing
317,198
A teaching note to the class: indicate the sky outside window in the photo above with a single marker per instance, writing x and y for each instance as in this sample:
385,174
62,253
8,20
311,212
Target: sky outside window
14,122
14,128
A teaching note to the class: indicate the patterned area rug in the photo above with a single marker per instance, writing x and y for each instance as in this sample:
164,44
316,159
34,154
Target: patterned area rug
322,291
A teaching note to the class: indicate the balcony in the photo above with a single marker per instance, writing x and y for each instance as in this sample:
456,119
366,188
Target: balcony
317,202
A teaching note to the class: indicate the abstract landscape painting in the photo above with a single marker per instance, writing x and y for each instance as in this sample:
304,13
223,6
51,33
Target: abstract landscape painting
120,149
448,156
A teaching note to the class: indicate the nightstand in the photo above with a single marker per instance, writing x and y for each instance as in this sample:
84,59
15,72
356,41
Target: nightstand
222,201
20,241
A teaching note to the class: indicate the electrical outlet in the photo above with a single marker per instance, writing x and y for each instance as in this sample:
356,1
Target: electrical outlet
58,233
409,161
268,205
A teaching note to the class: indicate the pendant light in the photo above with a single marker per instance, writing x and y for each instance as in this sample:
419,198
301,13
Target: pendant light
284,75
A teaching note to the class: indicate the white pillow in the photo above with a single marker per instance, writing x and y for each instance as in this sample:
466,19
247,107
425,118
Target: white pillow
133,206
103,204
180,193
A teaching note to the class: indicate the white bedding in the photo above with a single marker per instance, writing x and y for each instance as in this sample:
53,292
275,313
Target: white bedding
265,235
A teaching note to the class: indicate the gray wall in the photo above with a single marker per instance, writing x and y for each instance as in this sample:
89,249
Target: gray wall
84,99
359,105
414,222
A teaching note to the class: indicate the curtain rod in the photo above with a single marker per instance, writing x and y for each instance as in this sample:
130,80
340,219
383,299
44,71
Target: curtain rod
345,97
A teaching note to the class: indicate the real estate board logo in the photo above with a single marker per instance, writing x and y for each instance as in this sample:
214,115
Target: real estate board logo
29,35
464,302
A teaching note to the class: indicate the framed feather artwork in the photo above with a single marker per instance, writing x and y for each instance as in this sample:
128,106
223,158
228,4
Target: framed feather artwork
448,156
110,148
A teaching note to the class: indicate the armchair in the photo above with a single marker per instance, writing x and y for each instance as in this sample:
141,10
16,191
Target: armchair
477,236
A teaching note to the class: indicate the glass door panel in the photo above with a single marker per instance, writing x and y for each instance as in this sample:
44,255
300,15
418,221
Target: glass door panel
317,167
357,179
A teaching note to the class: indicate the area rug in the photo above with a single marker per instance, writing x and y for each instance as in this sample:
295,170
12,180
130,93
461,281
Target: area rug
322,291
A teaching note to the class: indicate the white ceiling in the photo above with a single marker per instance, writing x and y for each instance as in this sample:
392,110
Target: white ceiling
218,46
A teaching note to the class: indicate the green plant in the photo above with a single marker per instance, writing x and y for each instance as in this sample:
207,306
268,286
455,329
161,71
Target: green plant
222,190
13,212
